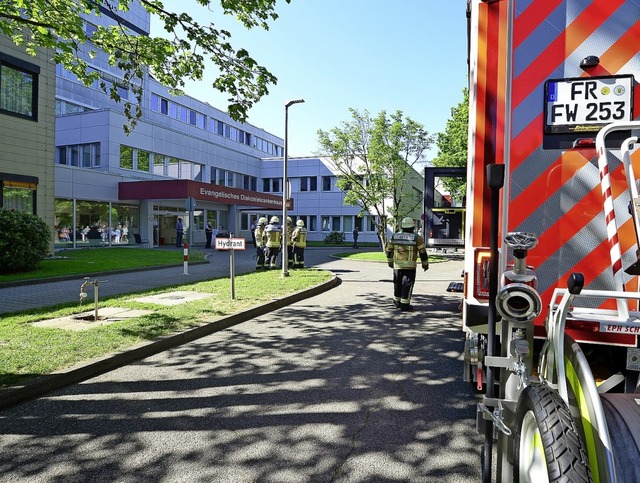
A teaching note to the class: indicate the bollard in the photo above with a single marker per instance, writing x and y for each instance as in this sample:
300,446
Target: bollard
186,259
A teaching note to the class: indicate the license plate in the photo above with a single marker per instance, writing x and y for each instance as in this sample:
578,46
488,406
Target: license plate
585,104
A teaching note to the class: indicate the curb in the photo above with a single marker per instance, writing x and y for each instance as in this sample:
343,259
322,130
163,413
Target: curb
42,385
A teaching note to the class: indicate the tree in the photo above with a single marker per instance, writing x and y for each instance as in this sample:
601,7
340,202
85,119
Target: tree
376,162
452,146
59,25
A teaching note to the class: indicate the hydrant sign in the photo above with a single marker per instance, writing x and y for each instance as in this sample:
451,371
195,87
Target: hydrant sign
230,244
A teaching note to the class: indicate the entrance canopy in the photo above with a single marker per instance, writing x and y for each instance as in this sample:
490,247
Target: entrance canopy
183,189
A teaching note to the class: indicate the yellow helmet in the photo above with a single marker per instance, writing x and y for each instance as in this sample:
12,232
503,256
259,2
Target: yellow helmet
300,223
262,221
274,219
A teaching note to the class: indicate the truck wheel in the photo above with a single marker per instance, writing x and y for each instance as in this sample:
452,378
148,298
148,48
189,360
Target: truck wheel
547,445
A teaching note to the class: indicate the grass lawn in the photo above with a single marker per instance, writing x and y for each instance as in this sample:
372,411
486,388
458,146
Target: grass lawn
94,260
27,351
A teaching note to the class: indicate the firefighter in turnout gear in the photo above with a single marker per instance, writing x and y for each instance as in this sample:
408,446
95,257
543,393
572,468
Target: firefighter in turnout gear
273,235
289,244
299,242
260,243
402,255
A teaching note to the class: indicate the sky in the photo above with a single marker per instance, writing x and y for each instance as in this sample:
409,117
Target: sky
374,55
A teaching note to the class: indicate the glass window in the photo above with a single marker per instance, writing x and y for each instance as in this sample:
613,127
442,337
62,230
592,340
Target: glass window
75,155
18,196
335,223
18,92
192,117
227,131
155,102
212,175
173,110
326,225
266,185
123,92
182,113
164,106
143,161
126,157
348,224
198,169
158,165
220,128
201,120
230,179
326,183
220,177
212,125
241,136
247,139
312,226
86,155
276,185
62,155
173,168
185,170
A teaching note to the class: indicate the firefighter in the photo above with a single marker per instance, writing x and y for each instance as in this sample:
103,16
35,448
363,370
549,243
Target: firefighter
273,235
402,255
299,242
260,242
287,242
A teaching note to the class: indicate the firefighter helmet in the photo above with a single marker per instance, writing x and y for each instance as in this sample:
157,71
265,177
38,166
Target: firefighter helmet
274,219
407,223
300,223
289,219
262,221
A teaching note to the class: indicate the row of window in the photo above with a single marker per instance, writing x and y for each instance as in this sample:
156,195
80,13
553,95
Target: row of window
141,160
80,155
223,177
202,121
307,183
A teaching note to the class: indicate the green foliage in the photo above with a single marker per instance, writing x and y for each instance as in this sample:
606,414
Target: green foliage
452,146
59,27
376,160
24,241
335,237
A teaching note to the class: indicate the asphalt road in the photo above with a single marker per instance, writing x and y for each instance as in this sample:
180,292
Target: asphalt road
340,387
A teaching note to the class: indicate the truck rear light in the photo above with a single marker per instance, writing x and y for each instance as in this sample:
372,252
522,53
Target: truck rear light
481,273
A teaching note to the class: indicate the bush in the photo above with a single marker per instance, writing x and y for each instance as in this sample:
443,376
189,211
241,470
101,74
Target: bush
24,241
335,237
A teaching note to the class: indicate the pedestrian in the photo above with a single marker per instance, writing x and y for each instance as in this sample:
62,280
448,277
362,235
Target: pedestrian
208,234
299,243
260,241
179,232
273,235
356,232
402,255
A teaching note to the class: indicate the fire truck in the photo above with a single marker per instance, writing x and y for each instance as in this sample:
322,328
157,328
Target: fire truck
551,296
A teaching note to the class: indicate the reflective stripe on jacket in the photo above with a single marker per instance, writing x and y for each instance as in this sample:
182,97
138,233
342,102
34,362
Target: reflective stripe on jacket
403,250
299,237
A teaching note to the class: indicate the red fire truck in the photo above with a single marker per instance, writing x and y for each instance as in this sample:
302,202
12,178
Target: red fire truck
550,302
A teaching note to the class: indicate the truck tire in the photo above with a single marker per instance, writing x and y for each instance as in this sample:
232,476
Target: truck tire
547,445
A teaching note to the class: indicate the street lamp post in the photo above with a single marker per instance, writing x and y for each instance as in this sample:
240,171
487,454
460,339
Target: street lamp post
285,188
